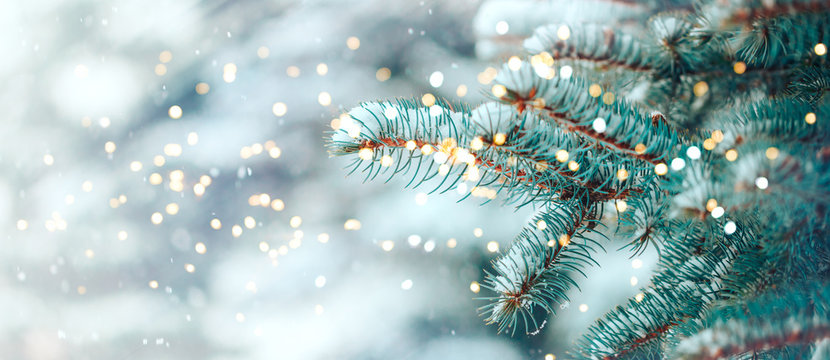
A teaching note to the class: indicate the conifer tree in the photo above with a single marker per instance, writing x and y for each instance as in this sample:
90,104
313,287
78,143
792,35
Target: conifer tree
705,137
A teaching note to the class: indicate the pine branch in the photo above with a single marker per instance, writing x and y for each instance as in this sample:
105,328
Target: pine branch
536,271
774,320
590,43
567,103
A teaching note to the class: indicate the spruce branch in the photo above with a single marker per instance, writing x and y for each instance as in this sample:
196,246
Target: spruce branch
567,103
592,43
780,318
536,271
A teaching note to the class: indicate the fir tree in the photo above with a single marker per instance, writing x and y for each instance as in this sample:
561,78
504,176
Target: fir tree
704,137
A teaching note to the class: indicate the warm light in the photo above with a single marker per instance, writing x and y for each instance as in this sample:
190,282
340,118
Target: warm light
820,49
566,71
365,154
731,154
274,152
172,208
166,56
153,284
428,99
292,71
661,169
22,224
109,147
739,67
810,118
216,224
322,69
324,98
633,281
717,212
492,246
640,148
352,224
514,63
478,232
564,32
200,248
160,69
639,297
608,98
426,149
386,160
383,74
295,221
562,156
452,243
499,139
622,206
277,205
711,204
189,268
700,88
353,43
772,153
709,144
475,287
550,357
158,160
249,222
175,112
236,231
573,165
595,90
461,91
262,52
387,245
583,307
156,218
636,263
499,90
411,145
279,109
323,238
541,225
48,159
155,179
264,246
477,143
717,135
622,174
172,150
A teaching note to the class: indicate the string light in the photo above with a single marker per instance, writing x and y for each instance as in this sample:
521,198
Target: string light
383,74
810,118
661,169
739,67
492,246
475,287
820,49
562,156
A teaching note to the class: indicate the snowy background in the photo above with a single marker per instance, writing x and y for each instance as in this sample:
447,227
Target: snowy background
165,192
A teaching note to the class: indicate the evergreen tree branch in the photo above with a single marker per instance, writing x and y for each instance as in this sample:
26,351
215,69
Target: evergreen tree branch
535,273
567,103
780,318
591,43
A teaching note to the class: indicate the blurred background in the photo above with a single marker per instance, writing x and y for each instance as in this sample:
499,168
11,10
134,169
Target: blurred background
165,192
